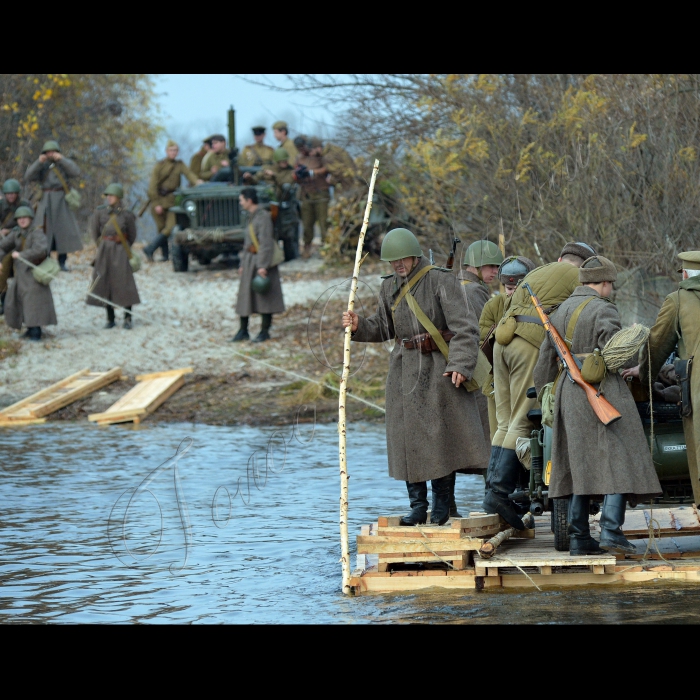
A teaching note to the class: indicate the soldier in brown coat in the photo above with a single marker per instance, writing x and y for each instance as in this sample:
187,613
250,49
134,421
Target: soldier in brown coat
165,179
256,262
27,302
112,277
52,170
432,423
589,458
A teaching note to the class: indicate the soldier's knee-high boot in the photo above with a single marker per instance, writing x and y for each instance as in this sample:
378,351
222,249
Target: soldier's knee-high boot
160,241
2,303
110,317
127,318
418,496
495,455
442,488
264,329
242,331
612,518
581,543
502,482
454,513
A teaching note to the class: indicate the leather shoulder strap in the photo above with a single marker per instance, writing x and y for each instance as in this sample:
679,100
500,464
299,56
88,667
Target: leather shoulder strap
409,285
571,327
428,325
60,177
253,237
122,237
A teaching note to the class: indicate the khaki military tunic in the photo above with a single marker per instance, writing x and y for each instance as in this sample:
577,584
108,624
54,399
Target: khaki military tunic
291,149
314,197
196,161
165,179
256,154
341,167
213,160
490,316
679,316
115,279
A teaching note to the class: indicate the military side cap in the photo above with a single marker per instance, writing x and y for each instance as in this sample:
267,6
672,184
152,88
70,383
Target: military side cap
24,211
209,139
218,137
10,186
51,146
280,154
280,125
171,144
691,260
582,250
597,269
315,142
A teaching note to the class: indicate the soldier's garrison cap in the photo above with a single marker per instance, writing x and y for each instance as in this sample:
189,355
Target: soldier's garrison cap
280,125
51,146
218,137
690,260
171,144
583,250
597,269
208,140
257,130
280,154
315,142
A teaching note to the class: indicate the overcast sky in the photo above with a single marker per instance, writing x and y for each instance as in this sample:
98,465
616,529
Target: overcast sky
194,106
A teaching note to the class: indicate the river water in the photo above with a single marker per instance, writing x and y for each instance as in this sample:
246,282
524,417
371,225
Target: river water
115,525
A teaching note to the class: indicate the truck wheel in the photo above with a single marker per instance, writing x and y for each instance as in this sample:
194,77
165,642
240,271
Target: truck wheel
560,528
180,258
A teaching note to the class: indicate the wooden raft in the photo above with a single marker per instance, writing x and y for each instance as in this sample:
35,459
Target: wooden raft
143,399
34,408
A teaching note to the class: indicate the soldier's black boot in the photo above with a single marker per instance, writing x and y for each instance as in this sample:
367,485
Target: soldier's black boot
612,518
495,455
160,241
242,331
33,333
2,304
127,318
503,481
581,543
110,317
454,513
418,496
442,488
62,257
264,330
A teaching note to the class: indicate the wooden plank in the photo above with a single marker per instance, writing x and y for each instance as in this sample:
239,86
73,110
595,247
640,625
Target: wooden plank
34,398
20,422
377,544
546,570
477,521
598,569
167,373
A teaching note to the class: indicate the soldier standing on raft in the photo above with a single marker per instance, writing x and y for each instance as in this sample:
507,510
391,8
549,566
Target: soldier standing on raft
432,423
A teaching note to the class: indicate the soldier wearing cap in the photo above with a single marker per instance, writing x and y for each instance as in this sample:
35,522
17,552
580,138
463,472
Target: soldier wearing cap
280,131
165,179
257,154
112,277
677,327
588,457
518,336
28,302
510,273
8,205
216,166
199,156
53,171
311,174
432,423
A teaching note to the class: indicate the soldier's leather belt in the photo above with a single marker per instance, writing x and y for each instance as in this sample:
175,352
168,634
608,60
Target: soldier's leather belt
110,238
52,189
528,319
424,342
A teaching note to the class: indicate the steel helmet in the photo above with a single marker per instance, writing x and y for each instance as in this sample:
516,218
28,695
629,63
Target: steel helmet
482,253
116,189
280,154
51,146
260,285
514,268
10,186
24,211
400,243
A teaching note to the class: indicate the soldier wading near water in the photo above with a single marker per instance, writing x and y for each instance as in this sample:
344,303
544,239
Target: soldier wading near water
28,302
260,289
52,170
113,278
589,458
432,423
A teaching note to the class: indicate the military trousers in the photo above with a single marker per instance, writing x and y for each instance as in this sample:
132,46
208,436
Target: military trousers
513,365
165,222
491,399
314,211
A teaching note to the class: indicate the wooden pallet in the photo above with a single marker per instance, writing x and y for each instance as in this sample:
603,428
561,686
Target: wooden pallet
679,521
143,399
34,408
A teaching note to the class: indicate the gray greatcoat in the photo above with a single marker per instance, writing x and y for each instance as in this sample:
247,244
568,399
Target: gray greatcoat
589,458
62,232
116,280
250,302
476,294
27,301
432,428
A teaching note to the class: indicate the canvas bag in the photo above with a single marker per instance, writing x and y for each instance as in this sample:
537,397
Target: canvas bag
72,195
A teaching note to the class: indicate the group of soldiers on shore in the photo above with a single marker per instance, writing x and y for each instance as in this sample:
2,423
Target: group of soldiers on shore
441,322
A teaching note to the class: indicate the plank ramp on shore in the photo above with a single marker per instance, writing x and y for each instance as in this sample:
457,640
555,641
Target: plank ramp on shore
143,399
36,407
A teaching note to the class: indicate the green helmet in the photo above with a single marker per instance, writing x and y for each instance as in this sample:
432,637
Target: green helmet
24,211
280,154
400,243
260,284
116,189
10,186
51,146
482,253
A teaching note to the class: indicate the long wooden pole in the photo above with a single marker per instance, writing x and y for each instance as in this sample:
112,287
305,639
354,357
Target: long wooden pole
344,549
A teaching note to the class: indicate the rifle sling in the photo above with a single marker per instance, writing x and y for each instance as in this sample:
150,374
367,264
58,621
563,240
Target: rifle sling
60,177
569,337
409,285
122,237
253,237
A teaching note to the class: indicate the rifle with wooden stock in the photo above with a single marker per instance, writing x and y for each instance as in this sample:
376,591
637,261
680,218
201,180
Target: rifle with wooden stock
603,409
451,259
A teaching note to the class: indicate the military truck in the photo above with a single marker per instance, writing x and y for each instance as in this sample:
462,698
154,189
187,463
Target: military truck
210,222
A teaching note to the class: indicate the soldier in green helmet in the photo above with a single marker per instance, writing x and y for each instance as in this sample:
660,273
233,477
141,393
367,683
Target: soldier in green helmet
54,172
257,153
28,302
8,205
432,423
113,228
